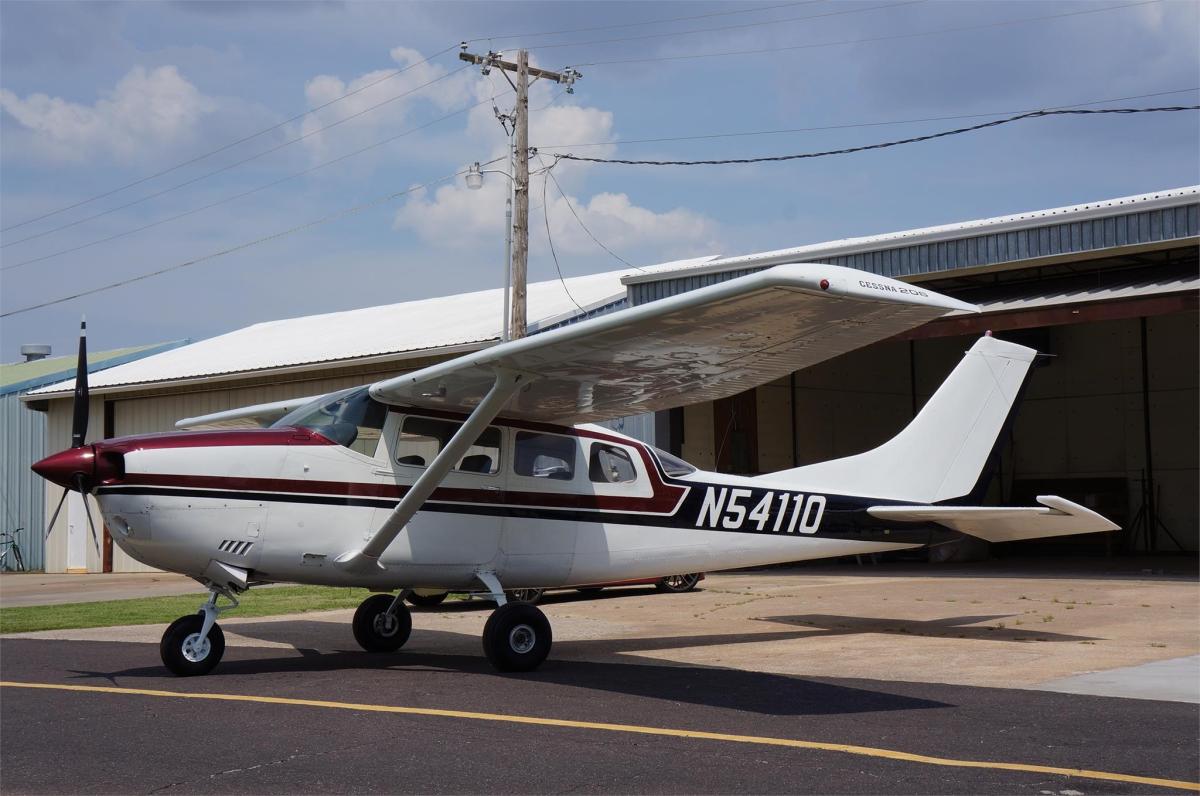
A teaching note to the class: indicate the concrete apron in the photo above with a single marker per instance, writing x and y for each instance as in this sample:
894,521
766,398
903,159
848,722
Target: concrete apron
1124,636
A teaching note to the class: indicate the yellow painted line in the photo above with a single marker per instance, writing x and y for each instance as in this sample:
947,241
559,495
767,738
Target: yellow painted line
867,751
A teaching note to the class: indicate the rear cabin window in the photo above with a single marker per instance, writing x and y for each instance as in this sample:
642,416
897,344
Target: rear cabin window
351,418
545,456
611,465
422,438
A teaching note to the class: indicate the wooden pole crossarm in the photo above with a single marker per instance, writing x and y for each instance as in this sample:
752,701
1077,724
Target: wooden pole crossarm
509,66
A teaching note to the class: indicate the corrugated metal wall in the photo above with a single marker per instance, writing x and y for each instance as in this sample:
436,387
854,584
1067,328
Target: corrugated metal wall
640,427
1072,237
22,440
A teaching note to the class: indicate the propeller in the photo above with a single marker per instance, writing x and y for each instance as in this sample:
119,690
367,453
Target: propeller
79,422
79,425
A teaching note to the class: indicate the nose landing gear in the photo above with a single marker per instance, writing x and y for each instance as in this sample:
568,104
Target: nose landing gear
193,645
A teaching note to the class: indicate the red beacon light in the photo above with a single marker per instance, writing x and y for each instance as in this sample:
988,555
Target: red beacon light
824,284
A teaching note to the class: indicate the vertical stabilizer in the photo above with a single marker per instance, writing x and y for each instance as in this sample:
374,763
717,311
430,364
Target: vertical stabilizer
941,453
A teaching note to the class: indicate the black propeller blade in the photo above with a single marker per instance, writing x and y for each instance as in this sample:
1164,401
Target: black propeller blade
79,423
83,494
54,517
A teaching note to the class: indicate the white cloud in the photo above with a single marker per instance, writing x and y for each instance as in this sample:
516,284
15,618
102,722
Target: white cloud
399,95
147,110
454,217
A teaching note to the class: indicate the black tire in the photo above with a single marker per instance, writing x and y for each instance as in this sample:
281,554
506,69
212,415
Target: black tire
427,600
517,637
677,584
177,648
376,630
530,596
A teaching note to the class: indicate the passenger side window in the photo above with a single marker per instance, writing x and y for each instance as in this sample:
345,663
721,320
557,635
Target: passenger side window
545,456
422,438
611,465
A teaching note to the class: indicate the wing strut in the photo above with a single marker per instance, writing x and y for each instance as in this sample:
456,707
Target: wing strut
366,560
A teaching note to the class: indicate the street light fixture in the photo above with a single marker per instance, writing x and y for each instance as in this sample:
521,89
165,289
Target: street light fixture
474,177
474,180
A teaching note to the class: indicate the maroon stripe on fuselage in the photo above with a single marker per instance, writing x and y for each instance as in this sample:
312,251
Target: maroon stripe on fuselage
661,502
249,437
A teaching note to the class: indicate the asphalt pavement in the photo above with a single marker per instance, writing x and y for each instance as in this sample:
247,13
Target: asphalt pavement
419,722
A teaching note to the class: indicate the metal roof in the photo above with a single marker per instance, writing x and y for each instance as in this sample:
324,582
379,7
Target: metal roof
20,376
1130,288
1147,219
392,332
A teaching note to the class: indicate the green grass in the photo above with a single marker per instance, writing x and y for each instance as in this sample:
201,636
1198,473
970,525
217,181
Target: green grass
154,610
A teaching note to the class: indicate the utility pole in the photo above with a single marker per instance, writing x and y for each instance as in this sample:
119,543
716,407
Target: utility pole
518,267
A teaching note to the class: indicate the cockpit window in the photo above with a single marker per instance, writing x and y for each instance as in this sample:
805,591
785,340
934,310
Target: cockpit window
673,465
351,418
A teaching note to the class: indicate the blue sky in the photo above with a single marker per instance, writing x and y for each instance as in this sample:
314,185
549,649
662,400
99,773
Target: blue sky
96,95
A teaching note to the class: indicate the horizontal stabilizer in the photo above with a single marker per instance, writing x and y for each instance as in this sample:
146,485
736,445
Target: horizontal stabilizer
259,414
1055,517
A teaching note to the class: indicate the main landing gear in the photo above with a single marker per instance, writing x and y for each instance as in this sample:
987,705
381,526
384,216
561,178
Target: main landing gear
516,638
382,623
517,635
194,644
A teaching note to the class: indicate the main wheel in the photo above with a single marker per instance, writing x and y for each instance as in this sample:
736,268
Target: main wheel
182,651
517,637
378,630
678,583
427,600
530,596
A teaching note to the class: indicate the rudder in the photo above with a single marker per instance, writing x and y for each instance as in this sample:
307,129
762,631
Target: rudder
941,453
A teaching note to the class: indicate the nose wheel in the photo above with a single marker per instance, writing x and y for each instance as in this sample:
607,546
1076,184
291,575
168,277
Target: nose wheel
193,645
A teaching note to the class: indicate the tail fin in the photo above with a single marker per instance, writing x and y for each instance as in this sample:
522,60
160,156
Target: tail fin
941,453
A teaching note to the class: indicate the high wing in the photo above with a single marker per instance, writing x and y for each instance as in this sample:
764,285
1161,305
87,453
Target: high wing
1055,517
702,345
262,414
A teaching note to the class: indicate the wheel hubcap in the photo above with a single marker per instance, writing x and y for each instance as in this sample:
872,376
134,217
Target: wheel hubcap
522,638
386,625
196,650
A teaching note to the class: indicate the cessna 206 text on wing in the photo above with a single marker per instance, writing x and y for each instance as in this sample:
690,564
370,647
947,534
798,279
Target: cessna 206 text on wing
483,471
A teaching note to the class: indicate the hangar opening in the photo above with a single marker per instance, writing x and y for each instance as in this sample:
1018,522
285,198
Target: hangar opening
1107,291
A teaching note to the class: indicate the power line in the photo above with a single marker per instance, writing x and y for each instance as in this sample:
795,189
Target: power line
234,165
232,249
853,125
816,45
883,145
550,173
550,240
725,27
231,144
639,24
244,194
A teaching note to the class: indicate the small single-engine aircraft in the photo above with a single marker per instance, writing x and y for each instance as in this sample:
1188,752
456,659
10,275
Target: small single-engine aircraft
484,471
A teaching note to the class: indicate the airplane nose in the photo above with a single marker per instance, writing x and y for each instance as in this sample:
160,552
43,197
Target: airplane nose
91,462
65,467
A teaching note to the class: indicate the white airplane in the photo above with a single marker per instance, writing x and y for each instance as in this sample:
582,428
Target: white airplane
484,472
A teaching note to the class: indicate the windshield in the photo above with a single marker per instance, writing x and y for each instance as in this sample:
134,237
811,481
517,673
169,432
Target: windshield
351,418
673,465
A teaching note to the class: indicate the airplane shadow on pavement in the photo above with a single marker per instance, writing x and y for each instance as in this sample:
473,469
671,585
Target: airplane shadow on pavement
708,686
969,627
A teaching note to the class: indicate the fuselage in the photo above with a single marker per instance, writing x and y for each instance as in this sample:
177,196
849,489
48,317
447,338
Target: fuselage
536,504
